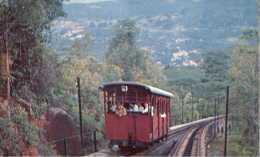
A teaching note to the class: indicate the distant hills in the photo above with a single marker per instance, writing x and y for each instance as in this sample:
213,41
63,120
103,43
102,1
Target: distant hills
175,31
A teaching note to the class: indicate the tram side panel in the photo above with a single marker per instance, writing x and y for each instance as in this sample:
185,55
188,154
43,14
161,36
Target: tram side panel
143,128
155,126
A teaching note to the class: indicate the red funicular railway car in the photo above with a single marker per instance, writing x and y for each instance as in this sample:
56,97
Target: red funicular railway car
135,114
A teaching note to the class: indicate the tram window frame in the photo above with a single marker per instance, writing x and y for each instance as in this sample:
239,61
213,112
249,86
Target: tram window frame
161,108
158,107
106,100
155,109
153,105
111,97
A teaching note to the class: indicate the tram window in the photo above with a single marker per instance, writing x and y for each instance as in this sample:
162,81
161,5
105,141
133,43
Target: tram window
159,108
127,106
110,98
152,109
114,97
162,108
145,108
109,106
111,101
137,108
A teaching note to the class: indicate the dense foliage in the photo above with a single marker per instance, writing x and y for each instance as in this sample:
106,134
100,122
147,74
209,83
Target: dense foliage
136,63
245,91
24,27
45,79
198,89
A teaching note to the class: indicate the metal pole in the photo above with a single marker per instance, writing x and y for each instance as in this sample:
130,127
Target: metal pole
226,121
80,111
208,109
198,103
215,126
65,147
192,107
182,103
95,141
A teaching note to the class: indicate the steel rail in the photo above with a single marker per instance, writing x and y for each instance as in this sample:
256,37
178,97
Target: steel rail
179,138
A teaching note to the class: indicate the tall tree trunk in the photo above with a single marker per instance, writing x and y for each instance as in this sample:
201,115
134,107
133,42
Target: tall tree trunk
4,76
4,83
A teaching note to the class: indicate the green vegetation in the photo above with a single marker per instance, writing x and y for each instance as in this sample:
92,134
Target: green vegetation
244,75
245,82
235,148
135,63
45,79
24,29
202,86
199,87
17,133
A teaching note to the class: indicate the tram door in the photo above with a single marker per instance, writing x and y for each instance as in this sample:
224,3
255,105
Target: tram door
162,121
163,116
160,118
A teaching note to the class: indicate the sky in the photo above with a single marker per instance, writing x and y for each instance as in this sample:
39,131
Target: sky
87,1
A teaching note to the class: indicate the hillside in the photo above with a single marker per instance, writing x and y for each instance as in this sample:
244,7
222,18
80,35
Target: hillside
176,31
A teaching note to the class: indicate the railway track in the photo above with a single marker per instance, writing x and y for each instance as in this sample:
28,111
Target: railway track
183,140
200,142
165,147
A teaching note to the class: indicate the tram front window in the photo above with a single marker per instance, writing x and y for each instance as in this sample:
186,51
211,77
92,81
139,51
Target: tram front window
137,108
128,107
111,106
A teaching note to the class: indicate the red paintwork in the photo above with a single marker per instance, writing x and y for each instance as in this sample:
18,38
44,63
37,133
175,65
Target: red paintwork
118,128
143,127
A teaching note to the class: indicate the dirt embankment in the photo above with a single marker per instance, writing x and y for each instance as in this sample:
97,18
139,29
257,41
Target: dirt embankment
56,124
61,129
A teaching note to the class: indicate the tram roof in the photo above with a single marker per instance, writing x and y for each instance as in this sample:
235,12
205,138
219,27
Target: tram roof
150,88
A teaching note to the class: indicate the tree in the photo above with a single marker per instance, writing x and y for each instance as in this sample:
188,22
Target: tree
24,28
80,63
184,81
135,63
123,51
245,82
215,66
